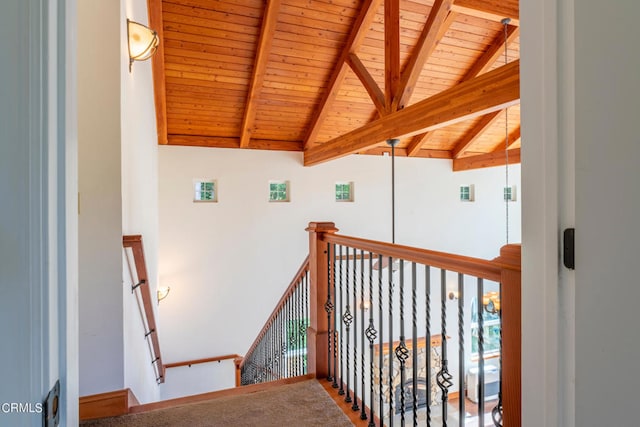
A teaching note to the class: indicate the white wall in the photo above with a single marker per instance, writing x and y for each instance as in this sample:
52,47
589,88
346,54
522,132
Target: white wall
100,220
229,262
607,100
139,198
196,379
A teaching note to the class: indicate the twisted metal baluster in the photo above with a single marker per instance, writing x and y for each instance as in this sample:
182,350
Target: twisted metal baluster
306,319
427,334
355,407
363,414
401,351
444,377
461,403
328,307
296,323
371,336
347,318
390,266
341,390
496,413
381,341
335,325
414,338
294,331
480,313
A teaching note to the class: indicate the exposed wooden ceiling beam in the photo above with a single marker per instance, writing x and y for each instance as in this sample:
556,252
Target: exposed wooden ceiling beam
472,136
403,152
360,27
157,63
492,10
437,24
497,158
391,50
417,142
489,58
229,142
514,137
484,94
269,21
376,94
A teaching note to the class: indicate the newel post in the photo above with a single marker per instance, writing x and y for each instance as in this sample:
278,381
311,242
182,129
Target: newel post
238,362
317,334
511,279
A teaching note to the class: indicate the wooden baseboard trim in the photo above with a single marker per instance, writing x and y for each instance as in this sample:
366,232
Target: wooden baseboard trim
111,404
247,389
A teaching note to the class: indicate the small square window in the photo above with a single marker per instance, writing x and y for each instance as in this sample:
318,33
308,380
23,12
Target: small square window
510,194
205,191
466,193
344,191
279,191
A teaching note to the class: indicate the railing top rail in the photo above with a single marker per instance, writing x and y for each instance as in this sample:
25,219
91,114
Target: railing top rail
477,267
199,361
135,243
292,286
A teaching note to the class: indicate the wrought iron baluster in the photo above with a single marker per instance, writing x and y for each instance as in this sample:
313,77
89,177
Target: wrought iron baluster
401,351
363,414
480,314
306,317
288,335
296,308
355,333
371,336
335,325
390,266
461,403
496,413
341,336
380,341
328,307
444,377
427,333
414,338
300,326
347,318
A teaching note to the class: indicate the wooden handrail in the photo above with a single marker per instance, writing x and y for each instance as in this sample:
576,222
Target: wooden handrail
485,269
135,243
199,361
290,289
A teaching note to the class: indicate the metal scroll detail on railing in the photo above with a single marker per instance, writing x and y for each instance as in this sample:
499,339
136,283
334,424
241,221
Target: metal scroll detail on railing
406,367
280,350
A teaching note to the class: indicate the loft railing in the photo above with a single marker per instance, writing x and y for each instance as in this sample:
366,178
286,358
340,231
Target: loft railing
395,327
140,288
280,350
396,331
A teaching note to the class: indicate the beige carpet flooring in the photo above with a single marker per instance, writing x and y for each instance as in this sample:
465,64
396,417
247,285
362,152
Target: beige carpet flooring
301,404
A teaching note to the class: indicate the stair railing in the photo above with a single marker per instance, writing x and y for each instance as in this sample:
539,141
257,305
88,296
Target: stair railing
141,285
391,328
280,349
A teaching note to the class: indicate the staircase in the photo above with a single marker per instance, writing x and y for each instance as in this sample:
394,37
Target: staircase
299,401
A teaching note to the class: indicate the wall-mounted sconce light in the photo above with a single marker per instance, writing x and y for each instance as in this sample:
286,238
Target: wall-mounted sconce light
142,41
163,292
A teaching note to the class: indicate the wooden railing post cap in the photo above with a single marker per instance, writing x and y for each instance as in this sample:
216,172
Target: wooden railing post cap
238,361
510,256
321,227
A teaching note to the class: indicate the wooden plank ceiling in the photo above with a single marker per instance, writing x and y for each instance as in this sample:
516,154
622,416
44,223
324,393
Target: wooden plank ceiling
337,77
